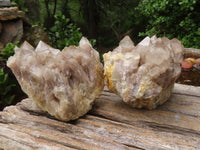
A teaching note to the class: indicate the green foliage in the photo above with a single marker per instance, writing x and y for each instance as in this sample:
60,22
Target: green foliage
171,18
110,21
6,97
9,87
64,33
93,42
8,50
101,57
19,4
116,19
75,13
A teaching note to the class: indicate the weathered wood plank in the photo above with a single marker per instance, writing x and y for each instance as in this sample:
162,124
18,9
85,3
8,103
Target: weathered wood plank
187,90
111,124
191,52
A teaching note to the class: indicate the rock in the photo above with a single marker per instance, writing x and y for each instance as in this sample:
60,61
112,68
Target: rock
11,13
35,34
143,75
197,61
187,65
192,60
5,3
12,24
197,64
12,32
63,83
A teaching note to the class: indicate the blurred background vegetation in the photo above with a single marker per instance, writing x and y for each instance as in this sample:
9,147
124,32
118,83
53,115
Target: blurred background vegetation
108,21
105,23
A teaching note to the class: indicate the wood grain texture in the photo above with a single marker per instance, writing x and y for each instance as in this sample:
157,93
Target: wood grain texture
191,52
111,124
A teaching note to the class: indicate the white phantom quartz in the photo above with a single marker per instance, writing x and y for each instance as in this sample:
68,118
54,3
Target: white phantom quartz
143,75
63,83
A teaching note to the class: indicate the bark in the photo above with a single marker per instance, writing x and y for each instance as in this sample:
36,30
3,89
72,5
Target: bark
33,12
92,18
50,15
91,14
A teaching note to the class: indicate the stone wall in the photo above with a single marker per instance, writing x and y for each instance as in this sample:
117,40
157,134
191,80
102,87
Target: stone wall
4,3
15,26
11,25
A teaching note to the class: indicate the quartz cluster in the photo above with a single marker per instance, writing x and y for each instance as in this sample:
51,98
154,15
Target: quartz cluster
63,83
143,75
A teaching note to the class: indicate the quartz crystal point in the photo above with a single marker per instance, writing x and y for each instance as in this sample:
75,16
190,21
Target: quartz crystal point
143,75
63,83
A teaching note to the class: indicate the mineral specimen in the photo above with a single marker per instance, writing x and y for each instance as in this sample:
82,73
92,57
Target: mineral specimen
143,75
63,83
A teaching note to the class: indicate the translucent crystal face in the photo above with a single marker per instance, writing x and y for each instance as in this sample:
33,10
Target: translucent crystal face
63,83
143,75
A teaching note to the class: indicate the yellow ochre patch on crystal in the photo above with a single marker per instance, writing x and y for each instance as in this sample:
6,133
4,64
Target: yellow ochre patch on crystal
108,77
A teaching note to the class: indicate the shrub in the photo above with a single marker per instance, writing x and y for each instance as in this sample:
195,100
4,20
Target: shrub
19,4
8,51
179,19
64,33
6,95
10,90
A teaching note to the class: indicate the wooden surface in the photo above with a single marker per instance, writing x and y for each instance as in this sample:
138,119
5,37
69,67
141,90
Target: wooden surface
111,124
191,52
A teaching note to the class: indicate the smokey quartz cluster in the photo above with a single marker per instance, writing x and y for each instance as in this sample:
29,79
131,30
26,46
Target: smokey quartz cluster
143,75
63,83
